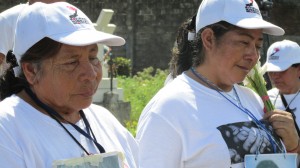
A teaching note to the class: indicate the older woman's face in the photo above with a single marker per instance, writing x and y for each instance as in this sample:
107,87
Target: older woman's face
286,81
234,55
70,79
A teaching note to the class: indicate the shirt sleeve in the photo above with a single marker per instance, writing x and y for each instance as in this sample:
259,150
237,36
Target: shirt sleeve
160,144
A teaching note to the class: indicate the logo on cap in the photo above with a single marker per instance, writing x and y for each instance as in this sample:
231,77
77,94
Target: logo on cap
251,9
273,56
75,18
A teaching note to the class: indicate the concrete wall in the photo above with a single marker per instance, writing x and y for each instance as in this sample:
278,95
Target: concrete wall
149,26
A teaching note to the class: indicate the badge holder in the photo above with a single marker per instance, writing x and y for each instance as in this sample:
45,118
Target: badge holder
277,160
107,160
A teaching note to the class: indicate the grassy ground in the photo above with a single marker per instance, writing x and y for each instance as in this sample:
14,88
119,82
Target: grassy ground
138,90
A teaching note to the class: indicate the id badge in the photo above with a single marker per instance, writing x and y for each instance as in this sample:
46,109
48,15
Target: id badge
276,160
105,160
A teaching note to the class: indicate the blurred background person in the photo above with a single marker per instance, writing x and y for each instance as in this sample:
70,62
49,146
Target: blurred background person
283,68
8,20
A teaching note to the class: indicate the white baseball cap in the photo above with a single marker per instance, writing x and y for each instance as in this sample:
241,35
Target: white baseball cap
241,13
61,22
281,55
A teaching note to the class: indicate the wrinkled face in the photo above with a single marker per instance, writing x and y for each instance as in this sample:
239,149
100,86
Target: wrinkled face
69,79
234,55
286,81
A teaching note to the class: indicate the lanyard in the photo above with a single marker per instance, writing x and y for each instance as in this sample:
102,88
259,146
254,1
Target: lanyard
57,116
288,109
239,106
256,121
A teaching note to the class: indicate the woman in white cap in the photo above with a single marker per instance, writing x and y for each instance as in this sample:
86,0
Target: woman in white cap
283,67
203,118
47,114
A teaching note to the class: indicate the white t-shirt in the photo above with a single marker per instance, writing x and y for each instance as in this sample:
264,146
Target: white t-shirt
8,21
32,139
295,104
187,125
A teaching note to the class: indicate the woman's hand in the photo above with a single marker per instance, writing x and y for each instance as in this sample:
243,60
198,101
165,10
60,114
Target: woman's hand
283,125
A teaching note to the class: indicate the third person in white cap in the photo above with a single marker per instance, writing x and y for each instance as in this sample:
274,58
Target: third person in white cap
283,67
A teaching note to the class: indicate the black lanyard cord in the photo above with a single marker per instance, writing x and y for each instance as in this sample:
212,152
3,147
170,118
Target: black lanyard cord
78,143
57,116
290,111
89,129
87,124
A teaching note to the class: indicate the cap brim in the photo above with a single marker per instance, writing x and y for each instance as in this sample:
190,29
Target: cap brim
89,36
257,23
276,68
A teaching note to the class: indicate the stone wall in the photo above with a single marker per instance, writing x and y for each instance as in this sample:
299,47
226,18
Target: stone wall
149,26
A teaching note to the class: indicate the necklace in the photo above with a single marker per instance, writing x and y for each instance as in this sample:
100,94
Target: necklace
213,86
289,102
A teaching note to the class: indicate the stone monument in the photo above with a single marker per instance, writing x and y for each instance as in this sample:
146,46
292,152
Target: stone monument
108,94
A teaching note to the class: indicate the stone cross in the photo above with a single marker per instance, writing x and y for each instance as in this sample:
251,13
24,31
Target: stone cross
102,24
